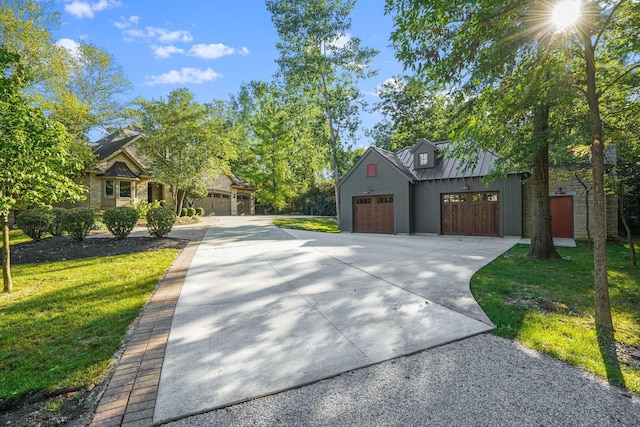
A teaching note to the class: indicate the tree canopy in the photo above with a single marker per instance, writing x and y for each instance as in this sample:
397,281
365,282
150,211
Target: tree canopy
185,140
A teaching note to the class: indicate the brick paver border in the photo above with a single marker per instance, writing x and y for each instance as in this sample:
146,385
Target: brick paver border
130,398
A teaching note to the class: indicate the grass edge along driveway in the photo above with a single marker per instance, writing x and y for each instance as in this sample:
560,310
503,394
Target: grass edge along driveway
548,306
65,320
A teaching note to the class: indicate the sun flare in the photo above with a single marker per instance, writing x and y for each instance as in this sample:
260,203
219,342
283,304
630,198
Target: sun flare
566,14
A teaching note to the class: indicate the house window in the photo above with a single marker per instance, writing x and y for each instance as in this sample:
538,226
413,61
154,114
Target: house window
108,188
125,189
423,159
372,169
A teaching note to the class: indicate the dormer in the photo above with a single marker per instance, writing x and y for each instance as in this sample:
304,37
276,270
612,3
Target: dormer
424,155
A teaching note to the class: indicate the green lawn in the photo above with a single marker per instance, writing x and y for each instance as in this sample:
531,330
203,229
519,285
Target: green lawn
15,237
64,320
325,225
548,306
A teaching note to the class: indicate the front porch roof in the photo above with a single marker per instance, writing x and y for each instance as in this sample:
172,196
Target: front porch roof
120,170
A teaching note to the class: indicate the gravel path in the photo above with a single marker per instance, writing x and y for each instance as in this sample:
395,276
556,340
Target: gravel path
481,381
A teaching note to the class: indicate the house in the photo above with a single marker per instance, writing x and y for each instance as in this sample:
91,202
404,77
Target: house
121,177
415,190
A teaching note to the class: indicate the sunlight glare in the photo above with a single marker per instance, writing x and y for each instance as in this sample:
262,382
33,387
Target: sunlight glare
565,14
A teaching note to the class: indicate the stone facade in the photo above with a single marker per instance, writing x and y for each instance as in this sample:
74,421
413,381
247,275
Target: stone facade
120,178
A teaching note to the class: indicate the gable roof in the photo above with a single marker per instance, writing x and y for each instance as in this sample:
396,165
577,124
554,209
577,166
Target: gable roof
385,155
111,144
445,168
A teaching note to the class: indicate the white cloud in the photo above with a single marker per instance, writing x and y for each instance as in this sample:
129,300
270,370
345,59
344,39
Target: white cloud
165,51
160,34
215,50
340,42
84,9
71,46
126,23
186,75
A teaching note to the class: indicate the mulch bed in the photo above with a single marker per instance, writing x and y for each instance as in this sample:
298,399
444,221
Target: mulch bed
64,248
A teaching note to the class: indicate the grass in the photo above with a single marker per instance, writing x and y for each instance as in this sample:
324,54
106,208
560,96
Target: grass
548,306
325,225
17,236
64,320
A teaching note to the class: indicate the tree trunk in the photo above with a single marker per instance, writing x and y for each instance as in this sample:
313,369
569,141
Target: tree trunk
632,248
604,322
334,145
6,254
541,238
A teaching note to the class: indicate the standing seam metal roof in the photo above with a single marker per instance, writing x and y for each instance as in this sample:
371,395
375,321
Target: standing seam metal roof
446,168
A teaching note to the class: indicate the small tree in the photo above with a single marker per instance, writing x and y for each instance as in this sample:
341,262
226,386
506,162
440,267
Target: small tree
34,161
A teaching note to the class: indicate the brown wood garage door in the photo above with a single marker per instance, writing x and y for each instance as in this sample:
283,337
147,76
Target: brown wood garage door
471,214
373,214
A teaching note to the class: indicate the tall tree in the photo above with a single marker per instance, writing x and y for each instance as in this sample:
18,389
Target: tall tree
281,151
414,109
185,140
321,62
34,161
92,95
606,38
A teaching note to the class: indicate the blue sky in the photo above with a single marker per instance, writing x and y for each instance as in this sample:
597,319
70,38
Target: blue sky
208,46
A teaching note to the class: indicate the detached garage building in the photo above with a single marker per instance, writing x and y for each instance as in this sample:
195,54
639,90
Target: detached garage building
416,191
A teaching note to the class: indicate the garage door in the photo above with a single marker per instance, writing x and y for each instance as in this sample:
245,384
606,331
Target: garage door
471,214
373,214
244,204
215,204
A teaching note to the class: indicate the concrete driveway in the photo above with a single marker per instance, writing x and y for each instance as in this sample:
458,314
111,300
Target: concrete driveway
264,310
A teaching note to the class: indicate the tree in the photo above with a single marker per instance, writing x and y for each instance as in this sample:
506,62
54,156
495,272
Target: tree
607,38
414,109
185,140
34,161
91,94
321,62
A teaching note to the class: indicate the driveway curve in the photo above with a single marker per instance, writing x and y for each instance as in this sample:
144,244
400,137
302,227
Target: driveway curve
264,310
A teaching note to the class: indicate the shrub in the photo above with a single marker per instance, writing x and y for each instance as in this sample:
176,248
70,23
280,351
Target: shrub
200,211
35,222
78,221
120,221
160,221
56,228
183,212
143,206
191,212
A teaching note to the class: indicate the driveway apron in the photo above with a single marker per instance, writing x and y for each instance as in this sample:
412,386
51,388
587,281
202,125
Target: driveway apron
264,310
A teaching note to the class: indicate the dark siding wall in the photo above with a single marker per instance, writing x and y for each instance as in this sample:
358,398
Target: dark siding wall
428,196
388,181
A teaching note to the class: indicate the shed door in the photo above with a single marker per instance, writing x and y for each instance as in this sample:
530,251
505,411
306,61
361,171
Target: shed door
471,214
561,211
373,214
